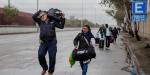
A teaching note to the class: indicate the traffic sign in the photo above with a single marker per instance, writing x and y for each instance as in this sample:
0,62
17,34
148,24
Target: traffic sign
139,7
139,10
137,0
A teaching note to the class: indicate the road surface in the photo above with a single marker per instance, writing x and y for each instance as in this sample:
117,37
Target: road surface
18,56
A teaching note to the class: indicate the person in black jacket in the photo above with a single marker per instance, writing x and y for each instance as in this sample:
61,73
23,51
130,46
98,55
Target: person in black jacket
115,34
101,37
86,32
48,39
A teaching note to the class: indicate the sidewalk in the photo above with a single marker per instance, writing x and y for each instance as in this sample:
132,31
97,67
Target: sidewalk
110,62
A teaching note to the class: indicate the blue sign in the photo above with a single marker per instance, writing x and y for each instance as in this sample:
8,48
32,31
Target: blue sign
139,10
137,0
139,7
138,18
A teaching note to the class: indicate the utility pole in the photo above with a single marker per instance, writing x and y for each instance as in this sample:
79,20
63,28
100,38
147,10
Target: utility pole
95,17
8,3
37,9
37,5
82,15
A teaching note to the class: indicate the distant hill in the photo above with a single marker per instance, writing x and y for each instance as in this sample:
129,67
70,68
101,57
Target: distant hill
23,19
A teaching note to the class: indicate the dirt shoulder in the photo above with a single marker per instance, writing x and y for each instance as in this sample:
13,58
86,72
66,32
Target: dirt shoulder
142,53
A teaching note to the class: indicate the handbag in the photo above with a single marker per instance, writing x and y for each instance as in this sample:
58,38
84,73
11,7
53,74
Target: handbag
84,54
91,50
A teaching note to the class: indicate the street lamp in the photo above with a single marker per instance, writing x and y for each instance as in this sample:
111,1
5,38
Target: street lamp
37,10
37,5
8,3
82,15
95,17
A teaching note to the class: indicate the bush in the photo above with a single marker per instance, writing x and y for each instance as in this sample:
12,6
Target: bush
11,13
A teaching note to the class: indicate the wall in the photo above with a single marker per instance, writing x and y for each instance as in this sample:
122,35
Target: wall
145,29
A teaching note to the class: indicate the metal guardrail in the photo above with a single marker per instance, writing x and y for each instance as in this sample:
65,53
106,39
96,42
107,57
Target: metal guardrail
134,65
28,29
17,30
27,26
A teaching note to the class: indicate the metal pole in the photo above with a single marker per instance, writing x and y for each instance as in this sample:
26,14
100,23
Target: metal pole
37,5
8,3
95,17
82,15
37,9
143,31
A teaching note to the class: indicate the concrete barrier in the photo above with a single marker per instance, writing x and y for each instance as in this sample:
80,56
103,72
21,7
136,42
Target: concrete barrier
16,30
20,30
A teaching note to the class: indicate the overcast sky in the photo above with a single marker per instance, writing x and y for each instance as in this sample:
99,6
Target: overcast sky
92,11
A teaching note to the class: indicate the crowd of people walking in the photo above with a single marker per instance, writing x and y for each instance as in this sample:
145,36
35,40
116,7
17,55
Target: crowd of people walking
107,35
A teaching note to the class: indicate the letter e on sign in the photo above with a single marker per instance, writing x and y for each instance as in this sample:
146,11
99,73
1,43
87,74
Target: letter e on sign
139,7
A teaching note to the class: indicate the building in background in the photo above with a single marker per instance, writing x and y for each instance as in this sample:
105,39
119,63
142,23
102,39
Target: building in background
145,27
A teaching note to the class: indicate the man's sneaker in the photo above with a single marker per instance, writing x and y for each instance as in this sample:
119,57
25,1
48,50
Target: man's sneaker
50,73
43,72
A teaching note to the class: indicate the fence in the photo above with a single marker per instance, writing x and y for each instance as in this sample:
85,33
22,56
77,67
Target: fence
15,29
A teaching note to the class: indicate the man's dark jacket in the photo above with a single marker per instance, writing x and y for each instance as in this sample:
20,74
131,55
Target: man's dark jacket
47,30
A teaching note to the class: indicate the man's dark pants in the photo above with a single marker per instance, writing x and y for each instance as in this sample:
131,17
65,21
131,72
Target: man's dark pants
107,41
51,48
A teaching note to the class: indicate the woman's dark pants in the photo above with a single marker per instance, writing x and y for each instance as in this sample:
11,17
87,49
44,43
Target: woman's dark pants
84,67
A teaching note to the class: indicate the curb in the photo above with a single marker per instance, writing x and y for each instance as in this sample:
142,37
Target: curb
133,62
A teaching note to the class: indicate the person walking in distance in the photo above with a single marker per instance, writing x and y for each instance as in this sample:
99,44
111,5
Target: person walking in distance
107,33
101,37
115,34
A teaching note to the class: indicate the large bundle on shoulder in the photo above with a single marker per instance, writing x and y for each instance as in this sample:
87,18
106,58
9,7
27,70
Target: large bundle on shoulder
55,14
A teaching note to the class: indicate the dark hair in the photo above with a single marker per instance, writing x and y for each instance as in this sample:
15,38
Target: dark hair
106,25
89,28
45,12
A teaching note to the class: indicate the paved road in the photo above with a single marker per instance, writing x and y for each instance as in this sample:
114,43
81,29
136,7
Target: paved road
18,56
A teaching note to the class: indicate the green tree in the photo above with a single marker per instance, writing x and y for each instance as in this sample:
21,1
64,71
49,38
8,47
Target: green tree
77,22
118,9
11,13
88,23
